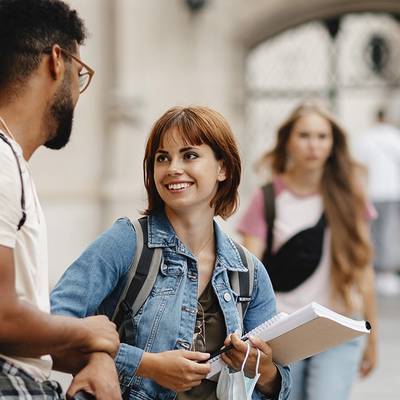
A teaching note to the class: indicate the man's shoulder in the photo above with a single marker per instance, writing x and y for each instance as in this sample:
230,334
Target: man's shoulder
8,162
10,195
5,149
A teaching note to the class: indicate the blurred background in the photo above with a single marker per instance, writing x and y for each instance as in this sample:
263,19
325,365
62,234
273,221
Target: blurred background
253,62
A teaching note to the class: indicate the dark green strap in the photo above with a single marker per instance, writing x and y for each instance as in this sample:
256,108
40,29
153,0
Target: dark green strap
245,280
142,269
23,218
137,274
269,212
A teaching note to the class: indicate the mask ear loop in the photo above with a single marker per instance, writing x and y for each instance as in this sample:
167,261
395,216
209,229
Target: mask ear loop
258,360
246,357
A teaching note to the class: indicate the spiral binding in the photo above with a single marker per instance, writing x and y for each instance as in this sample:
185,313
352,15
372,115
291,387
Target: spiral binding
256,331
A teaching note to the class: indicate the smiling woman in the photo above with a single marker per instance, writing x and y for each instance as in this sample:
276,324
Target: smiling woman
196,128
187,176
192,172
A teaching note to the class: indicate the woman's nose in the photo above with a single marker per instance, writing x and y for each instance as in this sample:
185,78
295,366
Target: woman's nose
313,143
175,168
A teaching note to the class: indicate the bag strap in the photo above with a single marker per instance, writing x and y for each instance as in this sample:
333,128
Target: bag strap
269,211
23,218
243,282
141,276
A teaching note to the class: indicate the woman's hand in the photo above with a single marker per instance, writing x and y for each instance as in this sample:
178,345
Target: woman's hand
270,380
369,358
177,370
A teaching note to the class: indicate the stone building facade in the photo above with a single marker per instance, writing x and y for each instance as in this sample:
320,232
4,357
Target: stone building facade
150,55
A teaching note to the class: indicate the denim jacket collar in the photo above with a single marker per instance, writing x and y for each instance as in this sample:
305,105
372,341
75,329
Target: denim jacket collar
162,234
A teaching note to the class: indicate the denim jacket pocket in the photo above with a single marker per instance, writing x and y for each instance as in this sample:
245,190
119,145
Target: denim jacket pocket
170,276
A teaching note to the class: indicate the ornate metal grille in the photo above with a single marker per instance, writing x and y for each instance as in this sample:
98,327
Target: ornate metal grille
354,72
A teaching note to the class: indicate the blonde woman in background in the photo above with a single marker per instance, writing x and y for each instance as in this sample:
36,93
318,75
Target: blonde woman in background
316,246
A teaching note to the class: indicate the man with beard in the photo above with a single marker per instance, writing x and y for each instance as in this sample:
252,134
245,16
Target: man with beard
41,77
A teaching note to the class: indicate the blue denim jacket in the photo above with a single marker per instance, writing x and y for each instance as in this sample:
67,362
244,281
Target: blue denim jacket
167,318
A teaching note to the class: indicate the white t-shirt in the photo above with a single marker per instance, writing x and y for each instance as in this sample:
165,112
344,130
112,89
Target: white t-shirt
29,244
379,149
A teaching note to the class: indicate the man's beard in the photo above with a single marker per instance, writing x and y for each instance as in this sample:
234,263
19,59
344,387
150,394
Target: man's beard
61,113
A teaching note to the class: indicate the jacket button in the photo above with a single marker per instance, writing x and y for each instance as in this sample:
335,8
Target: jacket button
227,296
183,344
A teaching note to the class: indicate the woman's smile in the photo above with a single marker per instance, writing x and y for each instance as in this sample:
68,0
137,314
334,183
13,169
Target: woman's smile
178,186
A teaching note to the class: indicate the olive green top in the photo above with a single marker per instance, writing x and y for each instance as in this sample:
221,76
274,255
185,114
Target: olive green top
209,336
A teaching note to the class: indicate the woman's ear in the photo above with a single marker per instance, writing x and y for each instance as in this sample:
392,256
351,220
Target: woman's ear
221,172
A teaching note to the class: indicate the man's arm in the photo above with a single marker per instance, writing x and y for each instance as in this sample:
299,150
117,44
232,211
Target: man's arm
27,331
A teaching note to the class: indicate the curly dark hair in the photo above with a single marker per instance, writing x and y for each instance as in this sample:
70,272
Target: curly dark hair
27,28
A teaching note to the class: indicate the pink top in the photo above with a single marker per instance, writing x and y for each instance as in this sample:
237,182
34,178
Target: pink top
253,220
293,214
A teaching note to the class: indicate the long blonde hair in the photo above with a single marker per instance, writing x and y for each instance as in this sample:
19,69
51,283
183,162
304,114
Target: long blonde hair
344,202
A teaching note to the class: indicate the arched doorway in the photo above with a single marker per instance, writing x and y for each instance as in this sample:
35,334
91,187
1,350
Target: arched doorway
304,50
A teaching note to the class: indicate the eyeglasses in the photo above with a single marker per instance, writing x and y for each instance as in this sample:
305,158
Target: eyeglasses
85,75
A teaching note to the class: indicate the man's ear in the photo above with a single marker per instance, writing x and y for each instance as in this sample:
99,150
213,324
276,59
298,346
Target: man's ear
56,62
221,171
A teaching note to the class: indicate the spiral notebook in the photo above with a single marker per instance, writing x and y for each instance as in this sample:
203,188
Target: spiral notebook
301,334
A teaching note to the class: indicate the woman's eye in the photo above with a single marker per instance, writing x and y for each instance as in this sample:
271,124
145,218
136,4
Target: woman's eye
190,155
304,134
161,158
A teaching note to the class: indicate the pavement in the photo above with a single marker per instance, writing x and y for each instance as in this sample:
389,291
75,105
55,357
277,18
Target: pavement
384,382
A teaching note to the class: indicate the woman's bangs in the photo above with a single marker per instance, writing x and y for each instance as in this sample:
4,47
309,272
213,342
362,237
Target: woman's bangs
189,133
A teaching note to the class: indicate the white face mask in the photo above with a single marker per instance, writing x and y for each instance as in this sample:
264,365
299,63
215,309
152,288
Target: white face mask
236,385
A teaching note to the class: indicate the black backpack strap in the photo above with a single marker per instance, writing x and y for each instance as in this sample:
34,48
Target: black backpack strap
269,211
243,282
23,218
141,277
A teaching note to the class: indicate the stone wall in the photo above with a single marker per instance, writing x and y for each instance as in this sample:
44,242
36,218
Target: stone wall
150,55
